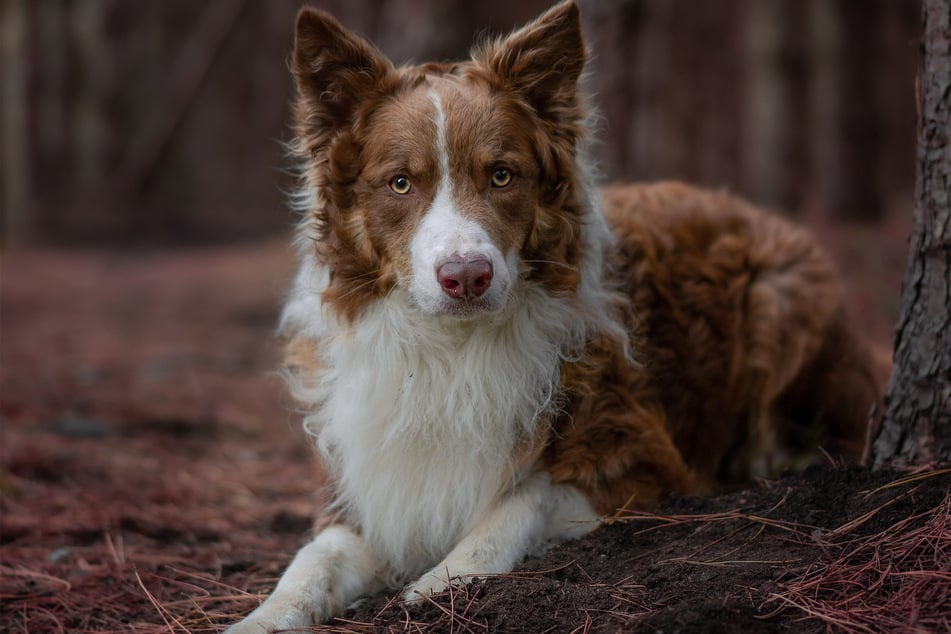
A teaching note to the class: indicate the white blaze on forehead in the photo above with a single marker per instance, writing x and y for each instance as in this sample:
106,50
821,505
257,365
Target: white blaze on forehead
444,232
441,146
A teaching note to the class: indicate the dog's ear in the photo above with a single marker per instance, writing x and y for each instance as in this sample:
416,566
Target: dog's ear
335,71
542,61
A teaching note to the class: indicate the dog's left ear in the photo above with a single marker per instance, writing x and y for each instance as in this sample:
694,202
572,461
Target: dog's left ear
542,61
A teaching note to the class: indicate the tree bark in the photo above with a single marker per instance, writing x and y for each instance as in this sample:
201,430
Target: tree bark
916,429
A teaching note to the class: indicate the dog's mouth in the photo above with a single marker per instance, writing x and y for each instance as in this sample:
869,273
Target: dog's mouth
466,309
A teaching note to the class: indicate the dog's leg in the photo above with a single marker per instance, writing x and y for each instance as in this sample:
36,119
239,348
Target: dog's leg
326,575
533,516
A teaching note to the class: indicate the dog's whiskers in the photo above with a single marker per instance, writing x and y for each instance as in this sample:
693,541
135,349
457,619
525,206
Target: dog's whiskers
563,265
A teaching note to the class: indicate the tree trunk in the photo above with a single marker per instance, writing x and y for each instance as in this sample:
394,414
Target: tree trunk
14,148
766,104
916,429
857,190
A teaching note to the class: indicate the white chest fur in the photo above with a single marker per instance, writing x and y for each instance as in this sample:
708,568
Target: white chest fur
419,417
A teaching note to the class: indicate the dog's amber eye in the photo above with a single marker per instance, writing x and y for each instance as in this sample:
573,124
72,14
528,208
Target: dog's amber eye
501,177
401,185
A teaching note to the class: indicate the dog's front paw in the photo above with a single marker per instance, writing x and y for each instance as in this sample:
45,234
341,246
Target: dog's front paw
439,579
267,619
429,584
249,626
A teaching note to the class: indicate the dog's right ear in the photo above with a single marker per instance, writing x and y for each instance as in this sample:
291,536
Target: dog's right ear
335,71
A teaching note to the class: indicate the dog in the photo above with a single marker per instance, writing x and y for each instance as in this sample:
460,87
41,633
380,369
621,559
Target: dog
493,352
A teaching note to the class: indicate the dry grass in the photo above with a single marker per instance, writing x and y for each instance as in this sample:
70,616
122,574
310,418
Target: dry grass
895,580
120,597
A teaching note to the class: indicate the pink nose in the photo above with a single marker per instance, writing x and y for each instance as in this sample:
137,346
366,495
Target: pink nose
464,279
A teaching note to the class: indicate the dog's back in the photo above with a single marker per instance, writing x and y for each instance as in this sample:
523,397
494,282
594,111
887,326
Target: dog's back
743,363
740,320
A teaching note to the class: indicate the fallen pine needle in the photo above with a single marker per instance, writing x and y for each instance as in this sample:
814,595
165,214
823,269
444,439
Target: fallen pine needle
155,603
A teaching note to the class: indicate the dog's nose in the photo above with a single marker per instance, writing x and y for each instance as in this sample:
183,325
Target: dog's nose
462,278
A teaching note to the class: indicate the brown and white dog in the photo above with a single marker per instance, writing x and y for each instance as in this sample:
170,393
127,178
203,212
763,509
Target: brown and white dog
493,353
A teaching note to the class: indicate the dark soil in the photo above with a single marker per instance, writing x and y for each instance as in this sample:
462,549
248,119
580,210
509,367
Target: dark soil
723,564
154,479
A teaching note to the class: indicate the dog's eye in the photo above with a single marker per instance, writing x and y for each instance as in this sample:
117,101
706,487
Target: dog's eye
501,177
401,185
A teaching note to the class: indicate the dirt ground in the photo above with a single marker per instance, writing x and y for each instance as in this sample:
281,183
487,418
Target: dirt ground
153,478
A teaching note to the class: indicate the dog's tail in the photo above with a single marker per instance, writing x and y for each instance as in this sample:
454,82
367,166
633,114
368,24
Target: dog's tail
837,398
818,380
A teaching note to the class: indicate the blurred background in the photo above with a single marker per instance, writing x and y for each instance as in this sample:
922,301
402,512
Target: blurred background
143,250
160,123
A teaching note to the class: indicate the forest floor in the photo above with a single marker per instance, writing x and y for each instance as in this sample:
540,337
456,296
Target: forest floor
154,478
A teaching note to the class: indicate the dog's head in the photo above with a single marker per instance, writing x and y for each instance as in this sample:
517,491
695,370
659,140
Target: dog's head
453,183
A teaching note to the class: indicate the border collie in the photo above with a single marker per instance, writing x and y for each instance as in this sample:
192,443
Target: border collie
493,353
